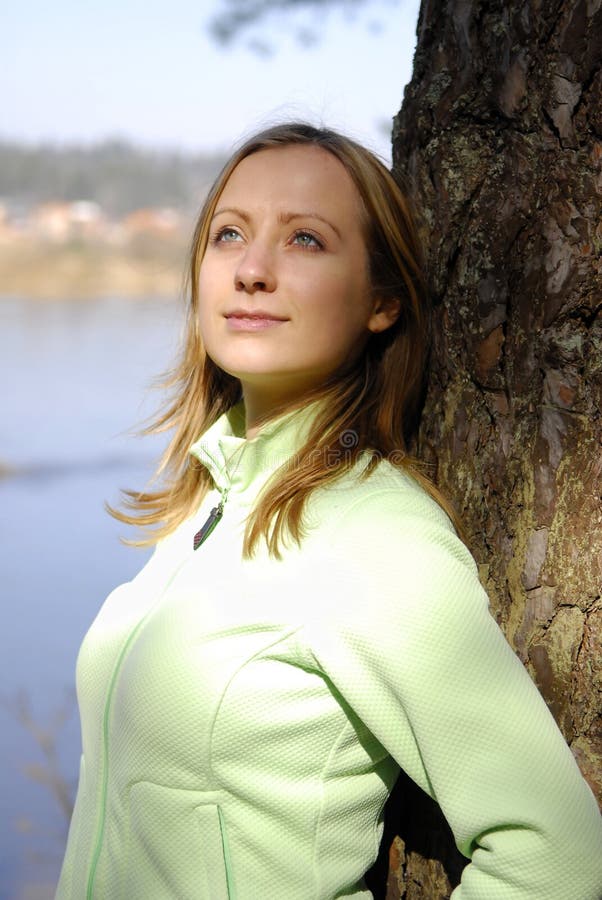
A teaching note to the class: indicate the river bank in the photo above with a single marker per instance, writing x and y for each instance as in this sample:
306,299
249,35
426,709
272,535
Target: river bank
86,270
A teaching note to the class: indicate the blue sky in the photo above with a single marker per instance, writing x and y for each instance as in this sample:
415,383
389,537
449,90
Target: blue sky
148,71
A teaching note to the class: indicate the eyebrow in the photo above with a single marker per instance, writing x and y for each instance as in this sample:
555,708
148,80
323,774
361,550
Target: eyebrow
284,218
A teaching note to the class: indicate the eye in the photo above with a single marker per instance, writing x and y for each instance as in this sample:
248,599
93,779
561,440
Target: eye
308,240
226,235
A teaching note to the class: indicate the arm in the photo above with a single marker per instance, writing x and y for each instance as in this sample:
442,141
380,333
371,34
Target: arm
416,653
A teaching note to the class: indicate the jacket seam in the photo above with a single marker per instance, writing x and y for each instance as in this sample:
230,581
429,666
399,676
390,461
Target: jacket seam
315,866
282,637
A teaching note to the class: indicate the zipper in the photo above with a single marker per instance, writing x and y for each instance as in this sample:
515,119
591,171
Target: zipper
208,526
105,760
217,512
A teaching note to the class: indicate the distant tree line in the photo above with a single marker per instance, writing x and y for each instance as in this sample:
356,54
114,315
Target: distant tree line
115,174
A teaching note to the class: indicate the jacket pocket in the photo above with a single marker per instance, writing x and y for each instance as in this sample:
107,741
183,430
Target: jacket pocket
176,846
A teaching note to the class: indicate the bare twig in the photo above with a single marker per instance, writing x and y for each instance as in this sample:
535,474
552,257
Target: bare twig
45,737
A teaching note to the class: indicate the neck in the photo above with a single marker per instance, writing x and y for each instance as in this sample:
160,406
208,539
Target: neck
260,406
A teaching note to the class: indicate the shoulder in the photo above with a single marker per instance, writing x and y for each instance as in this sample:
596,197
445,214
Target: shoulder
387,507
385,534
395,580
391,491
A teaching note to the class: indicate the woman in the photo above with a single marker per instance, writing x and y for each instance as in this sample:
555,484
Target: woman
310,621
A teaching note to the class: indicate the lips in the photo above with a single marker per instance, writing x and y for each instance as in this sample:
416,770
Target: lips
257,320
254,314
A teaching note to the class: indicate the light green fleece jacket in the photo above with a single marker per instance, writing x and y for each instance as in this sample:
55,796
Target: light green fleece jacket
243,721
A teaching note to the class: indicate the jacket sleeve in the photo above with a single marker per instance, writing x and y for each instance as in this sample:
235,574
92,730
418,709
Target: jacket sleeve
414,651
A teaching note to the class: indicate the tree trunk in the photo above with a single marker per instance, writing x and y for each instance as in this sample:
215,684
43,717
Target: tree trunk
500,138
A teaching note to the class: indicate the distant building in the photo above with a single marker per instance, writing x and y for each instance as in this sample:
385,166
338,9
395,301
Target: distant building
51,220
57,221
87,216
3,218
162,223
11,228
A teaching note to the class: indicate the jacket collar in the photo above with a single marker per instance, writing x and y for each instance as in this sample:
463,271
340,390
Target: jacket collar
237,463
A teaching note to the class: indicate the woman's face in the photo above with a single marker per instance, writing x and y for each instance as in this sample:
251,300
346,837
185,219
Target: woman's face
283,286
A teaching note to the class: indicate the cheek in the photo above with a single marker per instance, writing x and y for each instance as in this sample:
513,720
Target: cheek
338,303
335,289
207,326
205,282
208,297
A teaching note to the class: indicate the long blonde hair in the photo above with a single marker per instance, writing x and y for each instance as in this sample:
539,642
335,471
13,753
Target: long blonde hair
378,400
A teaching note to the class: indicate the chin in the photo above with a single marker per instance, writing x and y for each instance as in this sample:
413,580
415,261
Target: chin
248,369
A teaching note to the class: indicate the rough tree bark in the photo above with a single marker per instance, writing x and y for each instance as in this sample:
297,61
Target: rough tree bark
500,134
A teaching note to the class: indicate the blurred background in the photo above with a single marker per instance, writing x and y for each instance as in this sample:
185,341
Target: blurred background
115,119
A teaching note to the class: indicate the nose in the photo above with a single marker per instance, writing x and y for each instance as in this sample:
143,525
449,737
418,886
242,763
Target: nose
255,271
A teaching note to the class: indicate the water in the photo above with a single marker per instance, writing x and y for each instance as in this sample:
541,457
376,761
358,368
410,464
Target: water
74,380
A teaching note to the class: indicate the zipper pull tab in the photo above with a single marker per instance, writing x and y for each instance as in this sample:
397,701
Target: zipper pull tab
206,529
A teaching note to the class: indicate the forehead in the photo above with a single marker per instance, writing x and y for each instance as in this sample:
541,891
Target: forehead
296,177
